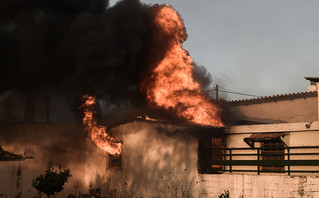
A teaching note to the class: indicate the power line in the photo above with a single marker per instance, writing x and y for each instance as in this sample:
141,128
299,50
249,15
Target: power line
238,93
233,92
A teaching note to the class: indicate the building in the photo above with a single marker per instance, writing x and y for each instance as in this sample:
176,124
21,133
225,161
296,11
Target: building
276,154
271,151
285,108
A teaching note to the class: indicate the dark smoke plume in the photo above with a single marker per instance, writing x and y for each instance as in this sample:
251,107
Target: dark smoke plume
202,76
81,47
70,44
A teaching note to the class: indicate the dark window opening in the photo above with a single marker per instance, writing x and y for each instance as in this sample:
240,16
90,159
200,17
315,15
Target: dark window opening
217,153
210,150
115,161
273,150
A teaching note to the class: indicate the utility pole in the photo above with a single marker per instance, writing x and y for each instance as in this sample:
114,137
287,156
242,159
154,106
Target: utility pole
216,91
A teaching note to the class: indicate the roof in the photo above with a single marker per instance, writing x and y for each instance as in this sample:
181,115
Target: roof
260,137
313,79
266,136
7,156
253,121
273,98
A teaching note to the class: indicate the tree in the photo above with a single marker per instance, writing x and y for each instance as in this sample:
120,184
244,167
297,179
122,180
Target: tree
52,181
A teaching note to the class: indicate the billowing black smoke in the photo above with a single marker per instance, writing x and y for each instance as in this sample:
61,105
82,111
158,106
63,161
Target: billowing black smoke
80,47
76,45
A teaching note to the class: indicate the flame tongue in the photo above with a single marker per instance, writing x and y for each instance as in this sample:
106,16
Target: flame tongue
174,87
98,134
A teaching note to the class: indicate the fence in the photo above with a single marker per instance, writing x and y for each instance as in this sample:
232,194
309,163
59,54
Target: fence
290,157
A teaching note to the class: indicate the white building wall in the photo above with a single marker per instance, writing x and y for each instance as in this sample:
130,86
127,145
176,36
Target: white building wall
159,158
299,134
274,185
260,186
154,155
65,144
289,110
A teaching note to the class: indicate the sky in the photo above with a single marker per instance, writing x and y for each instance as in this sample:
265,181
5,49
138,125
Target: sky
257,47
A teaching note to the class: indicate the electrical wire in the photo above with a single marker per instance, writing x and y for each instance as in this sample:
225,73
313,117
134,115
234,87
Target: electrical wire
232,92
238,93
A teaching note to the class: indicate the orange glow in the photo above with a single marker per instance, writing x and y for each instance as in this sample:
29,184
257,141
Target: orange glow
97,133
174,87
147,118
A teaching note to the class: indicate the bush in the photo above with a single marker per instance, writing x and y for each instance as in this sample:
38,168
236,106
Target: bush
224,195
52,181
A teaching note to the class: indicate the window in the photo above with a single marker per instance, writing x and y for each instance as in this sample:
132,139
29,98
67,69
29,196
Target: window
115,162
272,150
217,153
210,150
264,137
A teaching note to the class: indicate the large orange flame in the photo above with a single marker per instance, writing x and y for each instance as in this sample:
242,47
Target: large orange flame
97,133
173,85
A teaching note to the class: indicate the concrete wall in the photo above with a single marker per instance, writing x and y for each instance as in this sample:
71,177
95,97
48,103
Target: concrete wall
298,134
274,185
159,158
67,145
296,110
156,155
260,186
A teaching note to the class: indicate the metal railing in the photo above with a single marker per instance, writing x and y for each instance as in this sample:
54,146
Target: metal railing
232,157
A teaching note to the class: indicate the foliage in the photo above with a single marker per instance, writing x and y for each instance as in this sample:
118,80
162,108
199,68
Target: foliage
52,181
78,187
224,195
172,185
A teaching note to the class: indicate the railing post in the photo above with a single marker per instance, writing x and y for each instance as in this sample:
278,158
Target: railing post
288,155
230,159
258,158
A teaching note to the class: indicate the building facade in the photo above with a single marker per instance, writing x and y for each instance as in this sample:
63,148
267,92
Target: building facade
271,151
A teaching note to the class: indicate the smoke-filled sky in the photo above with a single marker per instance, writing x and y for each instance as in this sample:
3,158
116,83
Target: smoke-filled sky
75,47
261,47
253,47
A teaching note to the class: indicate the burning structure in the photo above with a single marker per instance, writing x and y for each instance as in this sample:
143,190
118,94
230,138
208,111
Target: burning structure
129,59
130,56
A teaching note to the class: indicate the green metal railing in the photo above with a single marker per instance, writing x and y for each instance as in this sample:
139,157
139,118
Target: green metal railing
228,162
